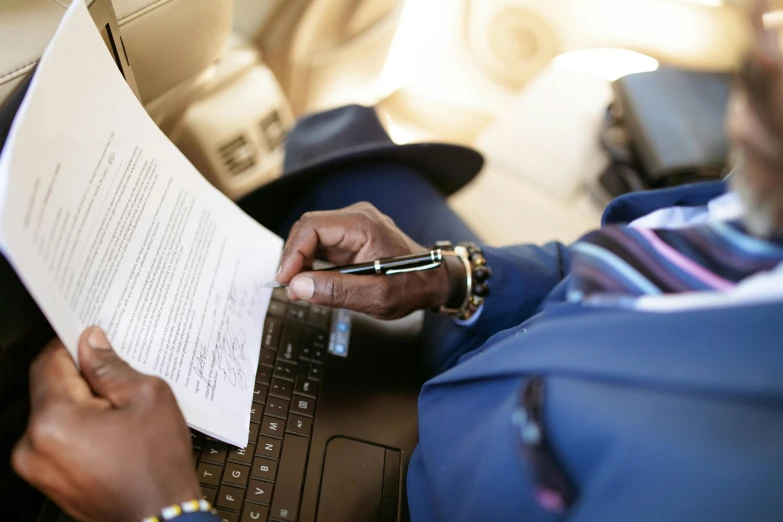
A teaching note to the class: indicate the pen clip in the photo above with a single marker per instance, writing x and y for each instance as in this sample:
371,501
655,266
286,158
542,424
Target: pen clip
434,264
437,260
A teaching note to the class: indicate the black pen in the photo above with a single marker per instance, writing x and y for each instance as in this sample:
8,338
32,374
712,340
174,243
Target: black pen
391,266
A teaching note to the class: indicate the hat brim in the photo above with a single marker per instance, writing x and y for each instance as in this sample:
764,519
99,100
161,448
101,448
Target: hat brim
448,167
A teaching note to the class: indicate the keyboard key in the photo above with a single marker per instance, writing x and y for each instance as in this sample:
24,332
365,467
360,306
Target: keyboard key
230,497
253,433
272,427
303,369
267,447
277,407
288,352
209,474
241,455
285,370
277,308
255,412
297,312
227,516
303,406
316,338
290,342
267,357
253,513
209,494
213,451
306,387
315,372
281,388
285,500
271,336
280,294
259,393
319,317
299,425
263,375
196,438
259,492
318,353
264,469
236,474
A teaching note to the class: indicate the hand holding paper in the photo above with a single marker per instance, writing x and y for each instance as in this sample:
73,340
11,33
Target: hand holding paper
108,224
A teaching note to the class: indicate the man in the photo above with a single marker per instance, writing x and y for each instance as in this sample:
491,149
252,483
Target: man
634,376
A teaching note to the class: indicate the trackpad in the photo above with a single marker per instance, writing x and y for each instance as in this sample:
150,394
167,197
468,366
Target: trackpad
352,485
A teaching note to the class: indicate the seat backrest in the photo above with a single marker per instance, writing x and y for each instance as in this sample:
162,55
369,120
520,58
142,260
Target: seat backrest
167,41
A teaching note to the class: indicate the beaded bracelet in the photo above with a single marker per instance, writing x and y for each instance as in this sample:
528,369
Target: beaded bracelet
468,291
175,510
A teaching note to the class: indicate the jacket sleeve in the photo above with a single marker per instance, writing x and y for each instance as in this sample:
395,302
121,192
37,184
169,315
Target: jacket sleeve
522,277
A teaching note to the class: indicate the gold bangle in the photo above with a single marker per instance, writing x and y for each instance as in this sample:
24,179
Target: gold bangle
473,285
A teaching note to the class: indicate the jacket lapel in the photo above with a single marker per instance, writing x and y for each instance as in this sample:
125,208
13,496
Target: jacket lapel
628,207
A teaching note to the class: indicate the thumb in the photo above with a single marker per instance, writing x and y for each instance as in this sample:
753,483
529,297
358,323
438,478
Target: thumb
372,295
108,375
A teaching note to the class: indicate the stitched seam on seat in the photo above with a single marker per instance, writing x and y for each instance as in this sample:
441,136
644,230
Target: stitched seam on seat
11,75
149,6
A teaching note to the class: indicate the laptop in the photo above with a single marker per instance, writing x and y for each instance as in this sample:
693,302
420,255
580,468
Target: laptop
333,419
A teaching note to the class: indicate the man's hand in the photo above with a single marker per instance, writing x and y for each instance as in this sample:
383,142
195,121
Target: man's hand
106,444
357,234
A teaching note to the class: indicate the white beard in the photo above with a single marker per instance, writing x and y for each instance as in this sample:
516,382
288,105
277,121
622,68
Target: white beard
763,209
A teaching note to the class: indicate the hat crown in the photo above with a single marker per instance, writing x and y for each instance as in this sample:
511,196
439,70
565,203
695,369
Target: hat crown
322,134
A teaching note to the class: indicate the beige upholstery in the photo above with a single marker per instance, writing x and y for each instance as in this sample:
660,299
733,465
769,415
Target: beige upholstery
168,41
25,28
326,46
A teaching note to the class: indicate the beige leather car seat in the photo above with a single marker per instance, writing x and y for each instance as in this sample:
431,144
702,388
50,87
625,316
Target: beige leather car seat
210,93
168,42
327,53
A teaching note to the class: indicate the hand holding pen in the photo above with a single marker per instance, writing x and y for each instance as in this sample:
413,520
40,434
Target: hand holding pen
361,235
391,266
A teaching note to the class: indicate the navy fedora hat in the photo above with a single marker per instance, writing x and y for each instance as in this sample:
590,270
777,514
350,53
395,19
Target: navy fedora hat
348,135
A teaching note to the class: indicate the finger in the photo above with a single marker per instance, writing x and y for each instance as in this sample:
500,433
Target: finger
24,460
55,377
36,467
372,295
108,376
342,229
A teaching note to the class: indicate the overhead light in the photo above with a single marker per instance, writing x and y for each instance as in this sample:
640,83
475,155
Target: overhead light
710,3
773,19
607,63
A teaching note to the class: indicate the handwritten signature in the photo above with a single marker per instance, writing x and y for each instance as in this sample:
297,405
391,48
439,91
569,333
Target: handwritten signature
199,366
232,361
229,358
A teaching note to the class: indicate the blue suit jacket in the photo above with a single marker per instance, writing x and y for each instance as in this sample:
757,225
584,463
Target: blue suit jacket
654,416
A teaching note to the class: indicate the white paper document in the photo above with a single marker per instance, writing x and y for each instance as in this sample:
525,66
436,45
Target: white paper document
108,224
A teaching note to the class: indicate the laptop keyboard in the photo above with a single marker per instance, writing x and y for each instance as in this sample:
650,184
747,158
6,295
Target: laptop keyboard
264,481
